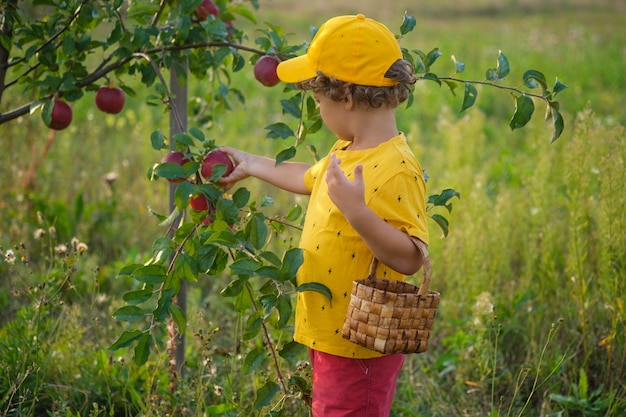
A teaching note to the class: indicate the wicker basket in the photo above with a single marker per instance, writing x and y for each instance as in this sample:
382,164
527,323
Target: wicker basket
391,316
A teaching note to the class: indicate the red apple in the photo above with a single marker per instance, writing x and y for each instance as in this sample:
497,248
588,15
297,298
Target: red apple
110,99
175,157
206,8
199,202
61,115
265,70
216,158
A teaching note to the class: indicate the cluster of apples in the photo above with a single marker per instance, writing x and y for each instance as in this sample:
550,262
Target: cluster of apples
109,99
211,160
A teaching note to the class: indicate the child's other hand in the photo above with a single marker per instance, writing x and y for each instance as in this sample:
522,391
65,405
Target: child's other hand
347,195
241,167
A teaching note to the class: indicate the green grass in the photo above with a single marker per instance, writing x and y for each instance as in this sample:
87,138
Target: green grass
538,233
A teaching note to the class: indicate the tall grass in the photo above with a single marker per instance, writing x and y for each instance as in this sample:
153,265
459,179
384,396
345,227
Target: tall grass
532,274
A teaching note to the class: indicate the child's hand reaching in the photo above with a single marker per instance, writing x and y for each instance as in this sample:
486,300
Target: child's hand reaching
241,167
347,195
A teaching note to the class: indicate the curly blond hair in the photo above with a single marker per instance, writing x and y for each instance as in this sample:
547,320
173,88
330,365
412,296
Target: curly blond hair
363,95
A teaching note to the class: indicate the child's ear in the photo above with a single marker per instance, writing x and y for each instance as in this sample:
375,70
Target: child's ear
349,102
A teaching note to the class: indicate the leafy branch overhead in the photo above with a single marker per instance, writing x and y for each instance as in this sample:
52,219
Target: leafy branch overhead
524,105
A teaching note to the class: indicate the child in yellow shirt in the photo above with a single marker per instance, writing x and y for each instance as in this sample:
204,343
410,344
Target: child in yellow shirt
367,197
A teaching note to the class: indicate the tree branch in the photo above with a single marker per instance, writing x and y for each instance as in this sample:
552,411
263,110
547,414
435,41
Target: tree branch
103,70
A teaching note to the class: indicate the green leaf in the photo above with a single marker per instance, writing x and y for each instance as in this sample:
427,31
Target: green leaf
178,315
432,57
279,131
285,155
558,87
142,350
241,197
292,107
46,114
253,359
184,139
557,121
150,274
524,109
171,170
443,197
142,11
536,77
265,394
291,263
186,267
182,193
253,326
285,309
161,312
157,139
408,24
270,272
442,222
294,213
232,289
129,269
316,287
256,231
126,339
129,313
244,266
162,249
292,351
138,297
503,67
469,97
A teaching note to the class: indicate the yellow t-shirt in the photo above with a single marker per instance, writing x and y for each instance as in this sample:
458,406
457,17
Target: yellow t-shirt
334,253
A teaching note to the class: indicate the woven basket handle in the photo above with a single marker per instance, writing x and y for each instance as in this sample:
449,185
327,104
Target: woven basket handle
423,248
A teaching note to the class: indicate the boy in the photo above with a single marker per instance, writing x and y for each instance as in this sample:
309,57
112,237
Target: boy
367,198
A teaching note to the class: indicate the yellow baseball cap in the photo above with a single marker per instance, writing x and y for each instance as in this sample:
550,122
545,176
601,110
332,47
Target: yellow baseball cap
354,49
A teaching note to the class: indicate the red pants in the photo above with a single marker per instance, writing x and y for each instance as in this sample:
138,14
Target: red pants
345,387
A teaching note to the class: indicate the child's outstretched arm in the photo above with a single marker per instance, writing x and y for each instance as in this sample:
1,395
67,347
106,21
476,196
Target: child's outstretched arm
390,245
287,175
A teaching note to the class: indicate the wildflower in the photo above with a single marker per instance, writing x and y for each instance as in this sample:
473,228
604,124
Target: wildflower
60,249
81,247
74,242
9,256
53,231
39,233
482,308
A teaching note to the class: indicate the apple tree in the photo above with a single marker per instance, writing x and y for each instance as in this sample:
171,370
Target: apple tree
99,45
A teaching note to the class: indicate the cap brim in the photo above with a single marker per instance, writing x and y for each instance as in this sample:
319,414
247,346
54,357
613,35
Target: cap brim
295,70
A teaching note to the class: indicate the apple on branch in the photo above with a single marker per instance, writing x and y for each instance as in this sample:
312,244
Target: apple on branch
265,70
61,115
178,158
206,8
110,99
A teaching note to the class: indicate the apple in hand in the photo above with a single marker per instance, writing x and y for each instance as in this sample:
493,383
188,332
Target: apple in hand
110,99
216,158
206,8
175,157
61,116
265,70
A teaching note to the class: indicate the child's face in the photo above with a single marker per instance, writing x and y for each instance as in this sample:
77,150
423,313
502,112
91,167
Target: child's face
333,115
